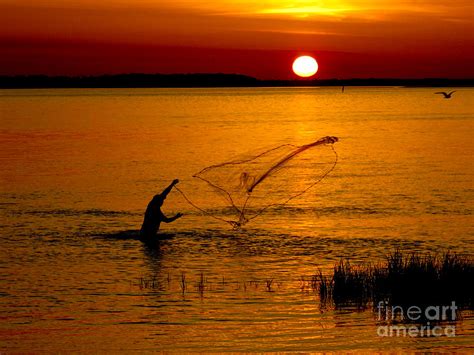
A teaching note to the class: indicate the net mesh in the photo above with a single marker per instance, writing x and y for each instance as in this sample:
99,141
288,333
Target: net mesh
248,186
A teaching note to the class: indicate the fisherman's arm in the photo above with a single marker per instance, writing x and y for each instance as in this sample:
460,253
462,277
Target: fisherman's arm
171,219
168,189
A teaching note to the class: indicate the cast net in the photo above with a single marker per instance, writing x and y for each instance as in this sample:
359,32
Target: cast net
248,186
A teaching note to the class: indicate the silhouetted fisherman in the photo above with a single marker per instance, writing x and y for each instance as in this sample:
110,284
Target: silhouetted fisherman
154,216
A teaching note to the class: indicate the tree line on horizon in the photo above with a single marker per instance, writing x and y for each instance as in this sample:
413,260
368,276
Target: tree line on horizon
207,80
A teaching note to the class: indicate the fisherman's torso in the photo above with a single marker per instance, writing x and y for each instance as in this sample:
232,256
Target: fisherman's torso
152,220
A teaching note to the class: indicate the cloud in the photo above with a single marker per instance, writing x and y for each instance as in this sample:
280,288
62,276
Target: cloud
329,25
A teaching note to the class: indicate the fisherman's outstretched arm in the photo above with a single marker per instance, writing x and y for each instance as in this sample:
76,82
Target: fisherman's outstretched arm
171,219
168,189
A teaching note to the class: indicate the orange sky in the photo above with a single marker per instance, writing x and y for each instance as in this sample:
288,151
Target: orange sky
365,38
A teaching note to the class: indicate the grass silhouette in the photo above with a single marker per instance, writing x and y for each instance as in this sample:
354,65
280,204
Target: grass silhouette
403,279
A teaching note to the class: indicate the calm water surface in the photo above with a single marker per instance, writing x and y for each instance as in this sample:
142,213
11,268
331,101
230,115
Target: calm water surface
79,167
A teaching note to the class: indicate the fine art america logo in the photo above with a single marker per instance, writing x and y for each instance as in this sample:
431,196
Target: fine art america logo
425,320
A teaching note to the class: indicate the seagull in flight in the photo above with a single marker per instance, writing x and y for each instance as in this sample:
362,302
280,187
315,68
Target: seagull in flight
446,95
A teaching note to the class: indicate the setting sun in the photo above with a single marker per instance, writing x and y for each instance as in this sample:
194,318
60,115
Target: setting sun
305,66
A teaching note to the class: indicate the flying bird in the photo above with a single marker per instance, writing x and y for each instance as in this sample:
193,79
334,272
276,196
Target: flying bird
446,95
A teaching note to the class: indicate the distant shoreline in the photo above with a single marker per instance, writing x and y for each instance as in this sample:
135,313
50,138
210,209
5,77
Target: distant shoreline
207,81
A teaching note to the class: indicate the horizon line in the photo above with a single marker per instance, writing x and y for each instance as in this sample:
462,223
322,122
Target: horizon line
225,74
190,80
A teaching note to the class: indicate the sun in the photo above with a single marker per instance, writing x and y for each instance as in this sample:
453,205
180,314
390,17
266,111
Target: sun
305,66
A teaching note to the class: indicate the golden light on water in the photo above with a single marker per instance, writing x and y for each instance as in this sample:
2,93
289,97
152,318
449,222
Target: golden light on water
75,206
305,66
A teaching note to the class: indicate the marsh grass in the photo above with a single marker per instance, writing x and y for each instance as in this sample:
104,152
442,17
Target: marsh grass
182,283
203,285
144,283
268,284
403,279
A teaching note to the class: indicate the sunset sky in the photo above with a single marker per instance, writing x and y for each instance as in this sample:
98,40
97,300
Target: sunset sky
365,38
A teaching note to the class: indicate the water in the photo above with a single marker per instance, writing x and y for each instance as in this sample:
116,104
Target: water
79,167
